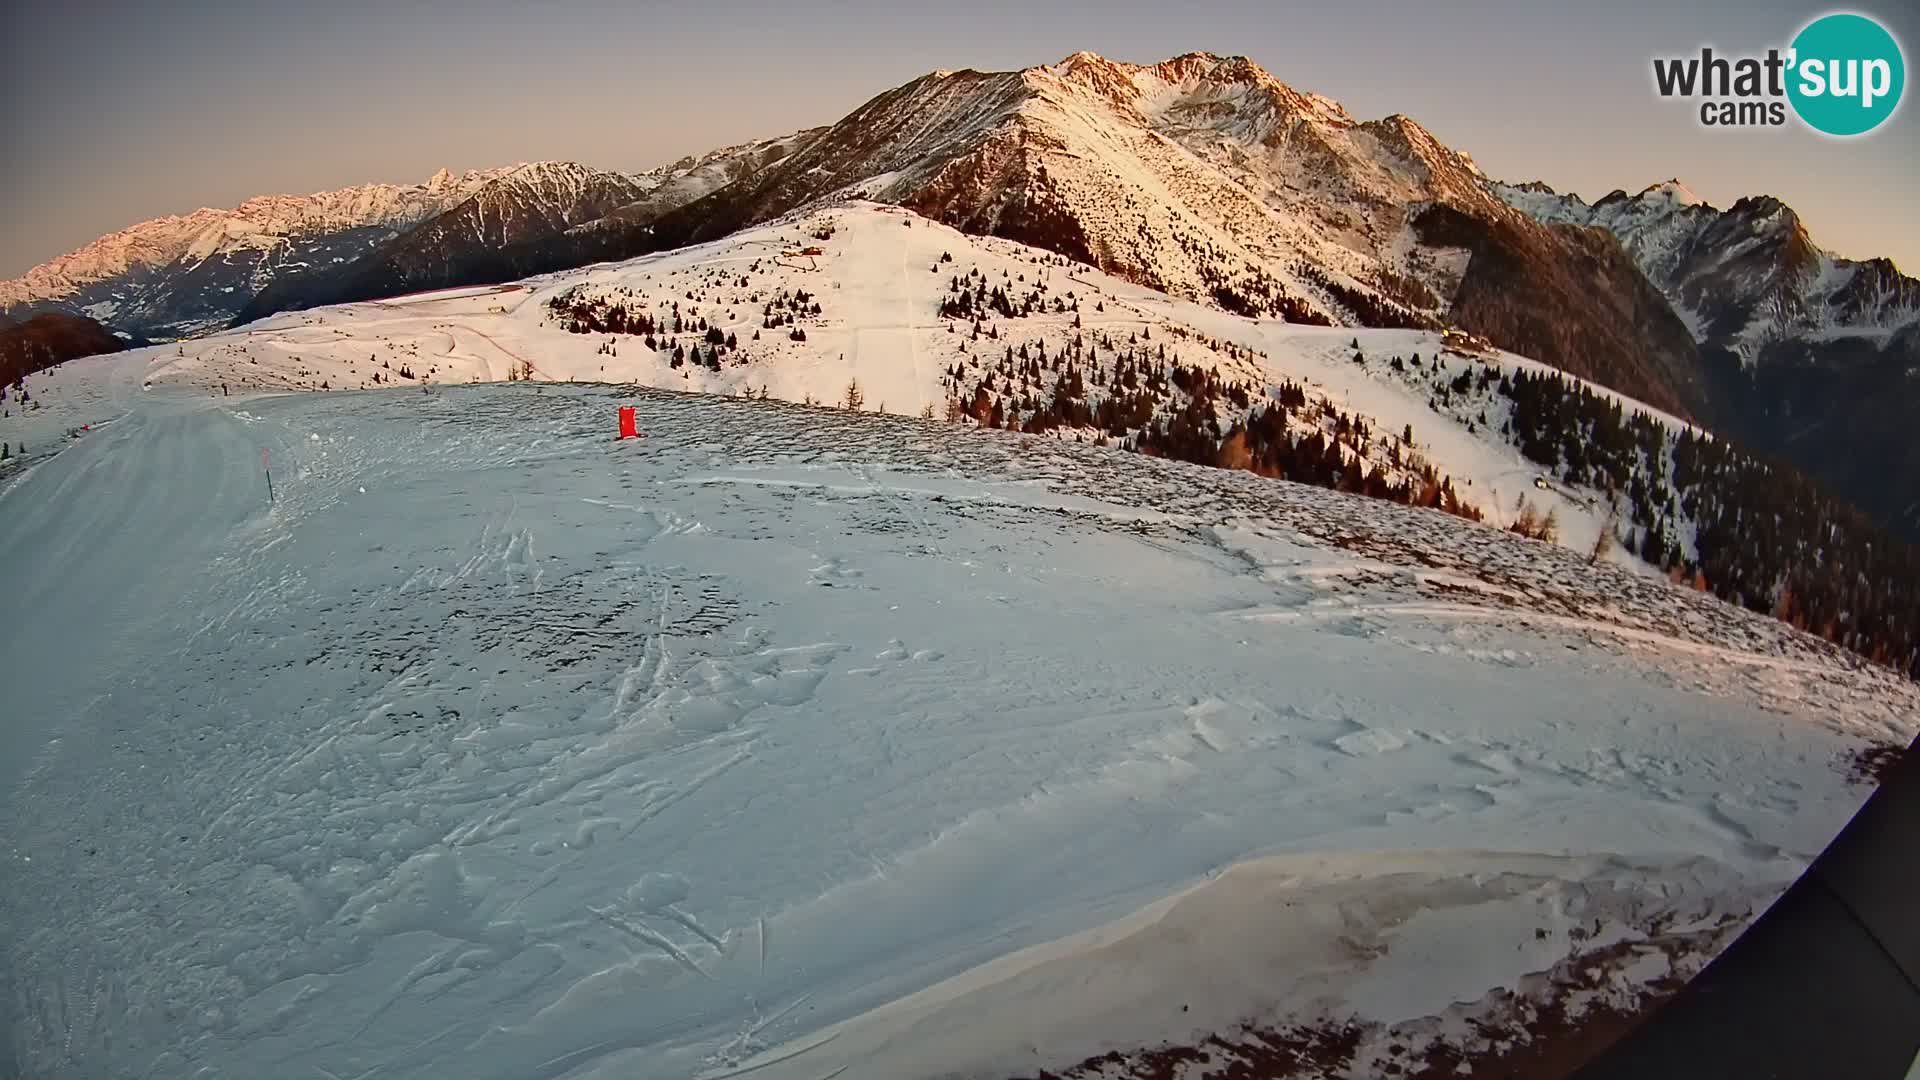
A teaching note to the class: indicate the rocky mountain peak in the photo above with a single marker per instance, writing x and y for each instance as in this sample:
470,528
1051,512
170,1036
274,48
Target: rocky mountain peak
1091,71
1206,67
1672,192
1196,89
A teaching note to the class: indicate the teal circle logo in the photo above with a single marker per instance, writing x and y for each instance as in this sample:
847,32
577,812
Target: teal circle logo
1847,74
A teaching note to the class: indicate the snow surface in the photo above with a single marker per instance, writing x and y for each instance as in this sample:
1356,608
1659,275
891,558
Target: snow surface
793,742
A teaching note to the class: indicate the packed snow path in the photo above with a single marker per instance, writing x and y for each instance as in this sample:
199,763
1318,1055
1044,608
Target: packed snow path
496,748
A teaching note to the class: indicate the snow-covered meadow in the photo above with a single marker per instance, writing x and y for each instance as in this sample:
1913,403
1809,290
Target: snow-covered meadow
799,743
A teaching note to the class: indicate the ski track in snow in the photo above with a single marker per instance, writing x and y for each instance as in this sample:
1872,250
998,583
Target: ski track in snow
495,748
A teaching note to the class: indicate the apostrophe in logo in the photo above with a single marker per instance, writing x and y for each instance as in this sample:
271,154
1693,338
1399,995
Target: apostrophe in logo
1843,75
1847,74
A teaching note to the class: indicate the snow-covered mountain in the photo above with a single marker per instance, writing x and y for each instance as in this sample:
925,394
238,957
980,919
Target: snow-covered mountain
522,203
1809,356
1202,176
1209,179
529,200
1747,277
695,177
527,206
1193,175
182,274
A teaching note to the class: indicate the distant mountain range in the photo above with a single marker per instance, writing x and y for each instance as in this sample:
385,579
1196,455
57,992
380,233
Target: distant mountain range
529,206
184,275
1201,176
180,275
1807,356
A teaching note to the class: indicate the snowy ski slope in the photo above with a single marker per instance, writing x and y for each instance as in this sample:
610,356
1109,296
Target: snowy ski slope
792,743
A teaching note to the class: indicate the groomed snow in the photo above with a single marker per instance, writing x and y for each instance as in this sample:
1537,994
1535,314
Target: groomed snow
496,748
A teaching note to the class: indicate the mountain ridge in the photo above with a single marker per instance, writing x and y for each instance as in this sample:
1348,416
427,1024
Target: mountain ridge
165,276
1747,275
178,275
1810,356
472,242
134,245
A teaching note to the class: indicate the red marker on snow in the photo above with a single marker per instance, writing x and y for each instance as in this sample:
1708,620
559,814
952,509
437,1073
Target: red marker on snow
629,423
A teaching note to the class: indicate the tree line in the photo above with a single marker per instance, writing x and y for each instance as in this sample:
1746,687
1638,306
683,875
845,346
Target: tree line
1136,395
1764,536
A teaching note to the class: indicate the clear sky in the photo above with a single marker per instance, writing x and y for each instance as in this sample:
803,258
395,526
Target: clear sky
121,111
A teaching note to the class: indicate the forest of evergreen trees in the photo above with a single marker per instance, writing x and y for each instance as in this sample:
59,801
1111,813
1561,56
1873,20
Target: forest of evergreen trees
1372,309
1133,393
1764,536
1249,289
